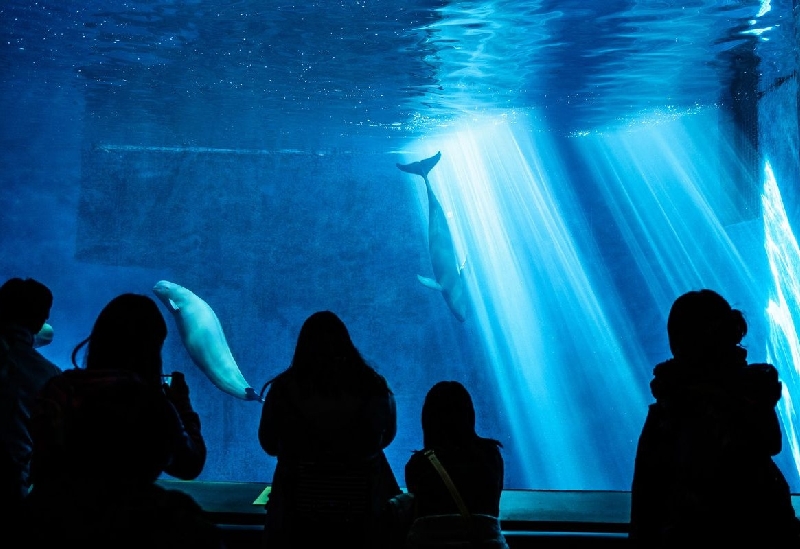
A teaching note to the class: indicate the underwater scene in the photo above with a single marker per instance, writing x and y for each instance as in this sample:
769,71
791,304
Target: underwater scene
506,193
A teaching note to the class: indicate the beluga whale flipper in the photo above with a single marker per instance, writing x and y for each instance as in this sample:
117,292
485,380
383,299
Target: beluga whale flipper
202,335
447,271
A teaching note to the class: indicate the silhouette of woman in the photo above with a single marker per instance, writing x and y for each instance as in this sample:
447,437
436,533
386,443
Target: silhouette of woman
112,438
327,418
129,335
704,470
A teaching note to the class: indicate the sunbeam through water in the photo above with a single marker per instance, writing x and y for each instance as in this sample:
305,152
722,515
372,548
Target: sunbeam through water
546,323
572,321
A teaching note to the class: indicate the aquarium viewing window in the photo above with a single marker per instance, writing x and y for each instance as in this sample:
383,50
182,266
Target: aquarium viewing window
595,161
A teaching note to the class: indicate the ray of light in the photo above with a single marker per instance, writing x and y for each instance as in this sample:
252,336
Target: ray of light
571,281
550,331
783,346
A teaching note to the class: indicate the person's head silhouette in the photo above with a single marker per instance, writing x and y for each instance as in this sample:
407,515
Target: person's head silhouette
702,325
129,334
323,342
25,303
448,415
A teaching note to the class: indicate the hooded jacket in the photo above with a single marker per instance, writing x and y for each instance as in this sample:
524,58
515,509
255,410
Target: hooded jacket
23,372
704,468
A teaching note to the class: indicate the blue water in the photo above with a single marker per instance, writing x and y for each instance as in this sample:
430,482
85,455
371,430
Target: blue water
598,159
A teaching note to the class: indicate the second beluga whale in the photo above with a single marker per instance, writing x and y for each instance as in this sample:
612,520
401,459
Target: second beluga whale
447,271
202,335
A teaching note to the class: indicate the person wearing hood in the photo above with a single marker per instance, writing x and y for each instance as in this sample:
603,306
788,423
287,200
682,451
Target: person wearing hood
327,418
24,308
704,469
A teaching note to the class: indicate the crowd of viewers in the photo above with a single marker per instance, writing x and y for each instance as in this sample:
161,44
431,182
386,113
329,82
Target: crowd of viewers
105,430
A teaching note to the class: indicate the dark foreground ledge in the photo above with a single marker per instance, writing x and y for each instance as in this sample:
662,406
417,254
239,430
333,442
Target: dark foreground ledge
530,518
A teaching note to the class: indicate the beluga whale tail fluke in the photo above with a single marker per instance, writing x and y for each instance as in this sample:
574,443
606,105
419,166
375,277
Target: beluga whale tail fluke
204,340
447,270
421,167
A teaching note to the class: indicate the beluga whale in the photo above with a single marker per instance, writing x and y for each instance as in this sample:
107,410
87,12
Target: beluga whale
447,271
203,338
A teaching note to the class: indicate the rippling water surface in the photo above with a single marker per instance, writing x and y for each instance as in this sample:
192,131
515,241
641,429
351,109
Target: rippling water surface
379,66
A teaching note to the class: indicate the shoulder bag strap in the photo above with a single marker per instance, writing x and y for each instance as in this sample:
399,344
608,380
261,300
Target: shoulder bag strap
462,508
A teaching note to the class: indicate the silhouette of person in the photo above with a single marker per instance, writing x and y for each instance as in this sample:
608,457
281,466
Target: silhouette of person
704,470
129,335
474,463
327,419
24,307
112,443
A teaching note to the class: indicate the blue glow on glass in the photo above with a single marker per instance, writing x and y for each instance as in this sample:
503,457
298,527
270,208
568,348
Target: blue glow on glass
783,348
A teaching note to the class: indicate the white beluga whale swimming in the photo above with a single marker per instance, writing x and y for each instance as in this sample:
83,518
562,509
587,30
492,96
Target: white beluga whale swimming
447,271
204,340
